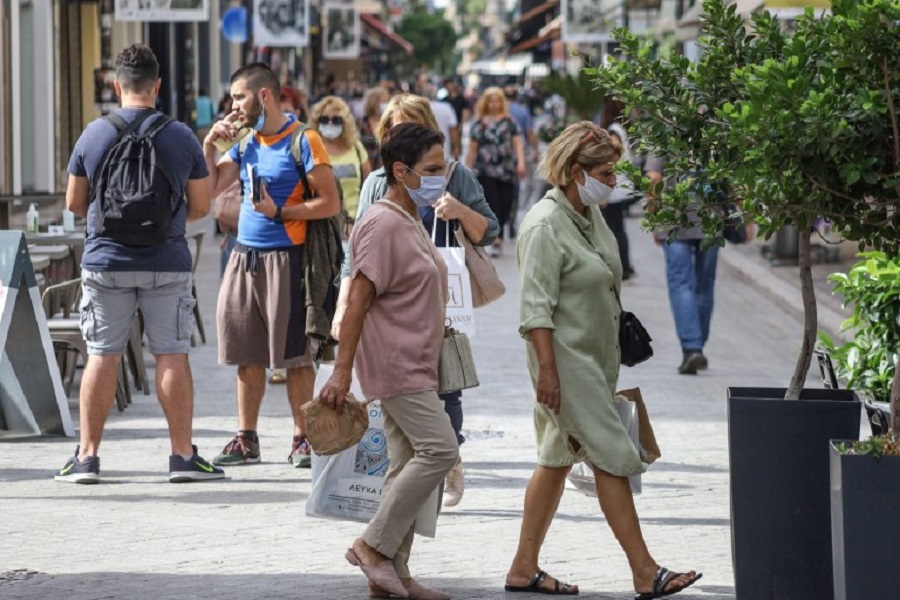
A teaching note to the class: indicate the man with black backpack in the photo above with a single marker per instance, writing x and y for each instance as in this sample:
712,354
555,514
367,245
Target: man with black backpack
128,175
269,312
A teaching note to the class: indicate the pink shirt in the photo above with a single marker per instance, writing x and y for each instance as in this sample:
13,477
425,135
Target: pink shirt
401,338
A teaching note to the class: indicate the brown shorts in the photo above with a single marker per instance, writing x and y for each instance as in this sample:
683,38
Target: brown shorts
261,314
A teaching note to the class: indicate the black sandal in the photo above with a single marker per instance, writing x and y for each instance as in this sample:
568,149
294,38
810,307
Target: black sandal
559,589
663,578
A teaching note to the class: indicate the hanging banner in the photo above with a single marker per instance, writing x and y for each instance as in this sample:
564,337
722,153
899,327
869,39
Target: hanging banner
342,31
590,21
281,23
162,10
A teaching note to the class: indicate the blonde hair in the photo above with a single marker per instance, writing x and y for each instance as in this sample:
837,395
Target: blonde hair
481,107
415,109
349,133
372,101
583,143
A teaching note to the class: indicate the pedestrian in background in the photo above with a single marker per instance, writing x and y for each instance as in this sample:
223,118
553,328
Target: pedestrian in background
374,103
623,195
392,330
690,279
332,119
261,312
571,277
462,206
119,278
496,156
521,114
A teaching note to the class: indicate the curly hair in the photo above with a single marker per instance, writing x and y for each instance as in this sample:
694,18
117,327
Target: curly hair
349,133
137,69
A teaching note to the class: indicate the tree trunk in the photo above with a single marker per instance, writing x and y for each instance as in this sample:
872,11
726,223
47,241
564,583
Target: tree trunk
895,405
810,315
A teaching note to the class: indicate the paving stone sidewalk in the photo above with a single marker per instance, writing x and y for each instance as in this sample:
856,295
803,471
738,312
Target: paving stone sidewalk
137,536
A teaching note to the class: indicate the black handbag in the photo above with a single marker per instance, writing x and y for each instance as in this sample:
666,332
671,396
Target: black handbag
634,341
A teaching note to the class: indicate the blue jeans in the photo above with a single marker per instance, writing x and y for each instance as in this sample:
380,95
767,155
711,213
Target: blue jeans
691,277
453,408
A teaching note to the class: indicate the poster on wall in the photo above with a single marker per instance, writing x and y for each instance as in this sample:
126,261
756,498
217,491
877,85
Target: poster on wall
589,21
281,23
341,31
162,10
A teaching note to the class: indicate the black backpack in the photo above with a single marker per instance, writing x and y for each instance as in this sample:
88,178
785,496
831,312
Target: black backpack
133,186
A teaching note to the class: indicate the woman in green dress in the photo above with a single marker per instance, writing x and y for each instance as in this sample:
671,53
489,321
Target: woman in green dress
571,275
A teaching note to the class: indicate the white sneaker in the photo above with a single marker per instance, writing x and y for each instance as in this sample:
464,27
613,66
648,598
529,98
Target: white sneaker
454,485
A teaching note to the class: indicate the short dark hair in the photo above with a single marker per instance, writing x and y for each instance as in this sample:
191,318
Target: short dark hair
407,143
258,76
137,68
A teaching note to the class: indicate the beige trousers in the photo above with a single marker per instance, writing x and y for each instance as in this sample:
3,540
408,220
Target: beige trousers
422,448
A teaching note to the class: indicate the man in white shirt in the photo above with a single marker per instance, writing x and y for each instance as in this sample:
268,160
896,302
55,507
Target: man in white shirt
446,120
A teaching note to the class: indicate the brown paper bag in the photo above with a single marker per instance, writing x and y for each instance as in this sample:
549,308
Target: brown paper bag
330,432
649,448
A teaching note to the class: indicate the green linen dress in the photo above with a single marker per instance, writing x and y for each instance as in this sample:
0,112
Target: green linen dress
570,287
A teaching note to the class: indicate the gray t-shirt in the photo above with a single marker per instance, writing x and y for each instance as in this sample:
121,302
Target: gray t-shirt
179,148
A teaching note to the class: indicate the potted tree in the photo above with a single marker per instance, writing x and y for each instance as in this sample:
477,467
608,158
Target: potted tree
865,476
796,126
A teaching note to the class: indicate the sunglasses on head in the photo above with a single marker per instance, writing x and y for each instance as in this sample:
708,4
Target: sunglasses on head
336,120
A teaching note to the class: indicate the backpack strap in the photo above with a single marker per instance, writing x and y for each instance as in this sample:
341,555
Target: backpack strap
123,130
157,126
297,154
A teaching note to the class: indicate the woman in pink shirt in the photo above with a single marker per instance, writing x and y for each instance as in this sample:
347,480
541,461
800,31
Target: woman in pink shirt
393,327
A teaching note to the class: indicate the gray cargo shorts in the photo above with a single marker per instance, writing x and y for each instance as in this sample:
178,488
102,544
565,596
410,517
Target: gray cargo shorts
110,300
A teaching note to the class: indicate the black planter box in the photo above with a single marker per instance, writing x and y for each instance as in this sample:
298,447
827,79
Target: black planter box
864,495
780,502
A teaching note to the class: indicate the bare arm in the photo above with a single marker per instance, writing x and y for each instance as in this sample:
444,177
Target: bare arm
343,299
326,204
335,390
548,378
519,147
454,142
198,198
473,152
448,208
224,172
78,195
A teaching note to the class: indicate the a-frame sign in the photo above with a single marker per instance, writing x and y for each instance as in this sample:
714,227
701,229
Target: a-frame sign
32,399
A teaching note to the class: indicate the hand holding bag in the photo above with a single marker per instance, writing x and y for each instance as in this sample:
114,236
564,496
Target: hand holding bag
484,281
330,432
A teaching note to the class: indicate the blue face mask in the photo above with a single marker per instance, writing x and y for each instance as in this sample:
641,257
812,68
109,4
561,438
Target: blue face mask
431,188
261,121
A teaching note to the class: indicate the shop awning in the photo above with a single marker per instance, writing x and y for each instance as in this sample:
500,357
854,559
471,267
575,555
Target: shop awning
549,32
376,24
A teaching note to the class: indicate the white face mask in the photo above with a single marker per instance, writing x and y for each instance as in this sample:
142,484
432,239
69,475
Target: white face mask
594,192
331,132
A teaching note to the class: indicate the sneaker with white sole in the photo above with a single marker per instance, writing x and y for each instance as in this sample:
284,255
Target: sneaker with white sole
192,469
86,470
301,452
454,485
239,451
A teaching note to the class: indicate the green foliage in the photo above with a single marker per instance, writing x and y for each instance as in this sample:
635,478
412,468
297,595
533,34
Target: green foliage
579,92
433,38
795,125
875,446
799,125
872,288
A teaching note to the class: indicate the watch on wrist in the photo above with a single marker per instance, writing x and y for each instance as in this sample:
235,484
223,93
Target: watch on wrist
277,216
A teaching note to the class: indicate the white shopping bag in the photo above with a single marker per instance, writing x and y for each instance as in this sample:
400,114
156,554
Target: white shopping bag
582,476
460,308
347,486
